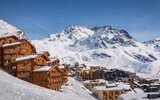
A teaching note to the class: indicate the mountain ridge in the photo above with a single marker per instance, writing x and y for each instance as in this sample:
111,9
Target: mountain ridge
105,46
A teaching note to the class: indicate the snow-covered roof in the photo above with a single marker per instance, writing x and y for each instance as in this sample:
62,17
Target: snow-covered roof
27,57
11,44
104,88
52,59
61,66
113,86
135,96
86,68
44,68
8,35
95,81
42,52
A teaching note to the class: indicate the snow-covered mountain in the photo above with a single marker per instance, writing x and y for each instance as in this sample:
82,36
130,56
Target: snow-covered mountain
8,29
105,46
155,43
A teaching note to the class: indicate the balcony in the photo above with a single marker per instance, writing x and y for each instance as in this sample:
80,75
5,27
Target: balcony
19,75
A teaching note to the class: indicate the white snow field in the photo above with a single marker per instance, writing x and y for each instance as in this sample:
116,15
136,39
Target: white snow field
8,29
12,88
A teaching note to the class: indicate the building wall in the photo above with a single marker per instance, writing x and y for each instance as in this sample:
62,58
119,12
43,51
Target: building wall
91,85
108,94
4,41
10,53
51,79
64,75
26,66
112,94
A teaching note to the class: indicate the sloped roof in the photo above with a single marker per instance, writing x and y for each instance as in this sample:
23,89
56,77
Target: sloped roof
44,68
7,36
11,44
27,57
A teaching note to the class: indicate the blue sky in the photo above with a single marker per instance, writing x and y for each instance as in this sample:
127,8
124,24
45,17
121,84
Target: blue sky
39,18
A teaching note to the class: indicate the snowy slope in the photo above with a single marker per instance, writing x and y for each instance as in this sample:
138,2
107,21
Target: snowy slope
12,88
155,43
105,46
8,29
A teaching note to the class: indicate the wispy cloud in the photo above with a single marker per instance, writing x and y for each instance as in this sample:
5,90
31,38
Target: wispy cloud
37,24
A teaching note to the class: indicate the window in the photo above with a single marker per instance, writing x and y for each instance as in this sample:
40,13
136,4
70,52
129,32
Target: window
12,49
7,56
10,41
14,55
7,50
7,61
13,67
26,61
22,67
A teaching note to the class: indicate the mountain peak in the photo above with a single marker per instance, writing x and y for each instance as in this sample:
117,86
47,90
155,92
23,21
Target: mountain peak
107,27
102,36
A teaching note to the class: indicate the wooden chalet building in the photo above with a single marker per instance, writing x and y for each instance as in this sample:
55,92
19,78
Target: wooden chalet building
24,65
47,76
19,58
4,40
10,51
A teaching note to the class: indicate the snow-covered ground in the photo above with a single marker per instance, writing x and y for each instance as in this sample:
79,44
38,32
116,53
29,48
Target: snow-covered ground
12,88
8,29
135,96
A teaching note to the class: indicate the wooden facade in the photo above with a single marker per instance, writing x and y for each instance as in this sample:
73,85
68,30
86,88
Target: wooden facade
19,58
95,72
104,93
89,84
91,73
64,72
47,76
5,40
26,64
11,51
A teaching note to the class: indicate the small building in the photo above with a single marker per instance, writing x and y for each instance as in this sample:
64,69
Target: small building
47,76
85,74
148,81
107,92
89,84
119,75
95,72
139,96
